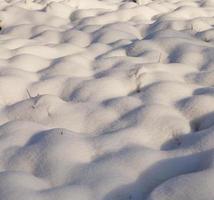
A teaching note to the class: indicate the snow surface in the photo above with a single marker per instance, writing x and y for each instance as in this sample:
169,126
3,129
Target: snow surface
107,100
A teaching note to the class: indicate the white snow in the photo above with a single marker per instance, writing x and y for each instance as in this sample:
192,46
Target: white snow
106,100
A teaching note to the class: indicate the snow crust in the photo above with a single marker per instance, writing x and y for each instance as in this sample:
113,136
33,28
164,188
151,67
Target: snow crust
106,100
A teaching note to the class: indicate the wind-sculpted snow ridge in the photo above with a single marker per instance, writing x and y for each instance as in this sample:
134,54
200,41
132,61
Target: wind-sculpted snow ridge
106,100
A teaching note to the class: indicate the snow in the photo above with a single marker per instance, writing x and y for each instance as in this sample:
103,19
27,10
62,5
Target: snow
106,99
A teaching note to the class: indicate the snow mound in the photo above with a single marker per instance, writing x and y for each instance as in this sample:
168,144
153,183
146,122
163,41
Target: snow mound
106,100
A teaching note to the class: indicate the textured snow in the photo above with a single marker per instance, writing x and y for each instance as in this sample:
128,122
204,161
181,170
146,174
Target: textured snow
106,100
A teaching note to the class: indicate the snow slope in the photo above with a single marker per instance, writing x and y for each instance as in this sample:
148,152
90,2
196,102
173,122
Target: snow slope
106,100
